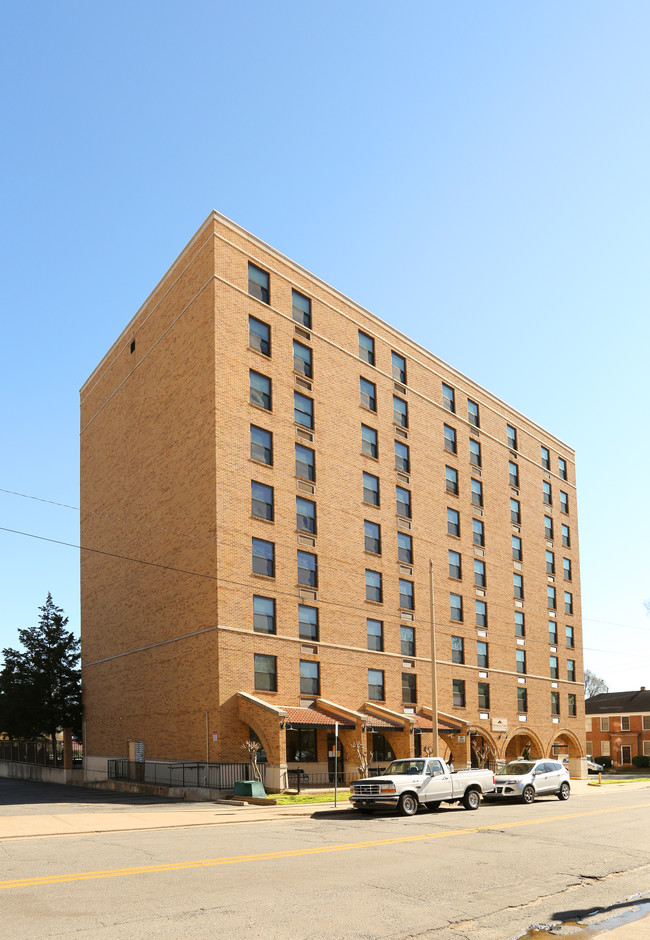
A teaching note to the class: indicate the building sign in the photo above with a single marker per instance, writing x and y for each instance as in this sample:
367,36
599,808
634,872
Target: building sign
215,736
500,724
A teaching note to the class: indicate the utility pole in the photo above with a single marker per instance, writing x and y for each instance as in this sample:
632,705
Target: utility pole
434,677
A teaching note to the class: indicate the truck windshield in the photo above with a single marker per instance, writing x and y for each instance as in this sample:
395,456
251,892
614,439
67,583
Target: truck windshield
406,767
521,767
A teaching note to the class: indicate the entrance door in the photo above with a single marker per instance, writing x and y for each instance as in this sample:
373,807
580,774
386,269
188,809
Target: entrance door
626,754
331,760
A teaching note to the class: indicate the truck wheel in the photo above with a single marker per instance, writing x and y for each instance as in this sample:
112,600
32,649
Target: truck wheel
472,799
408,804
433,806
528,796
564,792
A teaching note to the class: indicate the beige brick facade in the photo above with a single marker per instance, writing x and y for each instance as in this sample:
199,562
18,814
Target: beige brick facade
167,583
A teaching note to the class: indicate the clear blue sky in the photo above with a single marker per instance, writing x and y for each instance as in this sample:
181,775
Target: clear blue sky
475,174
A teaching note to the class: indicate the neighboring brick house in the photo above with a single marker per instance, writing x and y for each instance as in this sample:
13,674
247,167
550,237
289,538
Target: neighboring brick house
618,725
267,469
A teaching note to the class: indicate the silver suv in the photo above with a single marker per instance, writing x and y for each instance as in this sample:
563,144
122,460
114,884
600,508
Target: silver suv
527,779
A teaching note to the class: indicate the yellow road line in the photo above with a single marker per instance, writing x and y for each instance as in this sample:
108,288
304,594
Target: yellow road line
294,853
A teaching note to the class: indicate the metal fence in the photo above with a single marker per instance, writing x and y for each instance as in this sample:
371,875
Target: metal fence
300,779
221,776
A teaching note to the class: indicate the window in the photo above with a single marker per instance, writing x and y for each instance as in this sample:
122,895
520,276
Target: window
569,637
566,568
513,473
515,511
366,348
409,688
511,437
404,548
555,703
372,536
308,569
398,366
472,413
406,598
454,565
518,585
552,632
301,309
451,480
403,498
482,659
374,634
266,676
474,452
520,656
646,723
561,466
370,489
457,650
550,598
305,463
301,746
548,527
400,412
376,685
546,459
260,390
478,532
484,695
263,614
407,641
264,558
448,398
604,724
368,441
309,678
368,392
571,705
566,537
479,573
302,359
604,748
373,586
307,622
554,669
449,435
303,410
305,515
481,613
520,628
564,502
546,490
477,492
458,693
516,548
568,602
261,501
522,700
453,522
402,460
456,607
550,562
259,336
261,445
571,670
258,283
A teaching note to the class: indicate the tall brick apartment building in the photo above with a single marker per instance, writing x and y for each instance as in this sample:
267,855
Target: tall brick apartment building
267,470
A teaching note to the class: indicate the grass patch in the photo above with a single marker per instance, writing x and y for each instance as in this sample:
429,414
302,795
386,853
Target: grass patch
292,798
608,783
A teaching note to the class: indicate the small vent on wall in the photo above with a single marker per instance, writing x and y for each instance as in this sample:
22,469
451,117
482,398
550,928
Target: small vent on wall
405,569
403,523
406,615
403,477
300,332
479,551
306,487
305,435
307,540
518,566
401,432
308,595
132,345
303,383
400,388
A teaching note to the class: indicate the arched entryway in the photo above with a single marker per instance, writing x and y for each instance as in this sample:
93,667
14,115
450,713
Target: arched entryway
484,750
524,744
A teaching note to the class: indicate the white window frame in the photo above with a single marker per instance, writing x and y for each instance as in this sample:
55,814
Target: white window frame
604,724
625,722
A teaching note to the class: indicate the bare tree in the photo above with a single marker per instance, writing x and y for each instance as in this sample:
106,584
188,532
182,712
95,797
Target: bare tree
363,758
253,748
483,753
594,685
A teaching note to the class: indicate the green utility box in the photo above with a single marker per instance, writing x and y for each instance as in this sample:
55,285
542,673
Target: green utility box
250,788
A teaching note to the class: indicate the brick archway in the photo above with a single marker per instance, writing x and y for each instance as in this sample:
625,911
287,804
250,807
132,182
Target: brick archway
568,738
514,746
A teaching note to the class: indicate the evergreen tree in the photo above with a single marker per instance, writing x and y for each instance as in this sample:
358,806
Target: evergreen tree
40,688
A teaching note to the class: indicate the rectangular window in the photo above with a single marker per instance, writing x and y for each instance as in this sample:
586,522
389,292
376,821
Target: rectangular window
564,502
548,527
370,489
555,703
484,695
477,492
554,669
309,678
550,562
301,309
453,522
479,573
305,515
516,548
366,348
568,602
263,614
261,445
566,537
400,412
373,586
546,459
482,658
458,693
266,675
260,390
521,661
407,641
376,685
456,607
522,700
264,558
403,502
518,585
571,670
406,597
513,473
457,650
305,463
258,283
301,746
552,632
307,622
448,398
368,394
478,532
451,480
398,367
604,724
646,723
374,634
550,598
566,568
404,548
569,637
474,452
449,435
604,748
546,491
481,613
454,565
302,359
368,441
303,410
561,466
259,336
372,537
402,459
472,413
571,705
511,437
515,511
261,501
308,569
520,628
409,689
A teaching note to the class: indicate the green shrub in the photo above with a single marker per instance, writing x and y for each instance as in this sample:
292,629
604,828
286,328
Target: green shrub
641,760
605,761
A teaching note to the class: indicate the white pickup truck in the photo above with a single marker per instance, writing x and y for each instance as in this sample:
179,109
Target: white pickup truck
409,782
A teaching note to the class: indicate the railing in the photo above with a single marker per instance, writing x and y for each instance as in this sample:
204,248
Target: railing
300,779
42,752
221,776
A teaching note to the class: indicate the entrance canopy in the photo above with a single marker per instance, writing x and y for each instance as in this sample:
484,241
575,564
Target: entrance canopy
312,718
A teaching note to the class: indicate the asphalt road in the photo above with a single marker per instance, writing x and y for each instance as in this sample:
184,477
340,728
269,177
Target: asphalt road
485,875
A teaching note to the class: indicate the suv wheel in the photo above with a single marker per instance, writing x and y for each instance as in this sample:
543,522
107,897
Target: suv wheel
564,792
528,796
